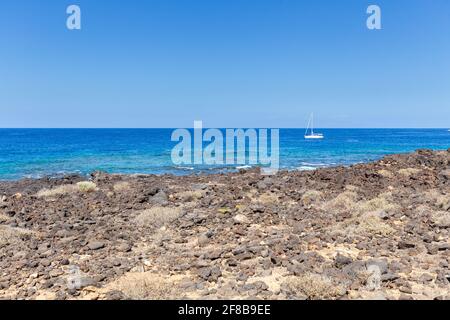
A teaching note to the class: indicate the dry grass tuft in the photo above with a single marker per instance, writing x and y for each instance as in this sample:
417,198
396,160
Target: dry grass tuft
365,225
314,287
84,186
344,202
311,197
386,173
145,286
347,202
381,203
157,216
441,219
3,217
351,188
267,198
365,220
121,186
189,196
408,172
368,225
440,200
60,190
14,236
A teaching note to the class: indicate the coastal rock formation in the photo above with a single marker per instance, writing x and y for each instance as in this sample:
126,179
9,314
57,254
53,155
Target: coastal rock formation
369,231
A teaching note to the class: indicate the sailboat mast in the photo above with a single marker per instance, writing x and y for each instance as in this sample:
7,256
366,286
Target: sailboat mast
308,126
312,123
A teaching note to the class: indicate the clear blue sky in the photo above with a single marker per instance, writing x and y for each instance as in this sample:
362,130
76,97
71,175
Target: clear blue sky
230,63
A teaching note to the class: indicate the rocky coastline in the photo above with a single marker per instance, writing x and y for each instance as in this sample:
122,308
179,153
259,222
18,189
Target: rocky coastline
378,230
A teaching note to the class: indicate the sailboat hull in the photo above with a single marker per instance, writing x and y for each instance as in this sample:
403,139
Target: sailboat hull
311,134
314,137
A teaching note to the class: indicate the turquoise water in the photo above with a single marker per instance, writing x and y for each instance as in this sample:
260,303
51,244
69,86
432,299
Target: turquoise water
41,152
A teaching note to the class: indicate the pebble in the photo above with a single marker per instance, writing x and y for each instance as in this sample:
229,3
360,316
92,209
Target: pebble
96,245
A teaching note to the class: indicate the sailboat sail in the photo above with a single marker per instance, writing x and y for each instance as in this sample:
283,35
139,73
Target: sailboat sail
312,135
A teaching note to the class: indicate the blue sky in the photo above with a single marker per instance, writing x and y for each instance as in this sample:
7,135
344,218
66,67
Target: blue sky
230,63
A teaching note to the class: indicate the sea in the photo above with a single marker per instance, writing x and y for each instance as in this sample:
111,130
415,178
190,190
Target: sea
36,153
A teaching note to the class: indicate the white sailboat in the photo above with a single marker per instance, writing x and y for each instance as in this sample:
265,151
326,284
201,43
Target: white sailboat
312,135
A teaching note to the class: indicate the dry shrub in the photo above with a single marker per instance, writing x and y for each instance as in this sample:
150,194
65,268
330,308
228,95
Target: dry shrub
440,200
84,186
443,202
3,217
189,196
380,203
14,236
60,190
352,188
441,219
368,225
311,196
314,287
408,172
365,220
347,202
267,198
145,286
157,216
386,173
122,186
344,202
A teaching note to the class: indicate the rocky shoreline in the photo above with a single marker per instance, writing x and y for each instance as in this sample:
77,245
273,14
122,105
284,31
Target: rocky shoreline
370,231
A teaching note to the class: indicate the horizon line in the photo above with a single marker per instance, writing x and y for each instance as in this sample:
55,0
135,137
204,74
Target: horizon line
206,128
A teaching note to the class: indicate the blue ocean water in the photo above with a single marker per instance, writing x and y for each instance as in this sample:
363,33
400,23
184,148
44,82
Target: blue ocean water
42,152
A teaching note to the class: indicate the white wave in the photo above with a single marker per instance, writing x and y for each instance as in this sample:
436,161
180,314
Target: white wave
320,164
243,167
306,168
185,168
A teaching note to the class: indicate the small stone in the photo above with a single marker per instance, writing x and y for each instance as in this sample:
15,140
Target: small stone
445,174
210,273
424,278
45,262
389,277
160,198
374,280
342,260
204,273
382,215
124,247
203,240
43,247
240,218
405,245
257,208
382,264
405,289
214,254
96,245
78,281
115,295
